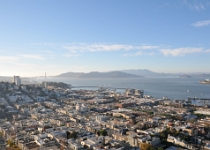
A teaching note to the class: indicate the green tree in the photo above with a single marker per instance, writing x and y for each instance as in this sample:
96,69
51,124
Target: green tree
68,135
74,134
104,132
71,135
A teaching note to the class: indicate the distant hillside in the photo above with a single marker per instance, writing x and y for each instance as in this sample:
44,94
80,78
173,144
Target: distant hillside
185,76
196,75
203,75
57,84
111,74
148,73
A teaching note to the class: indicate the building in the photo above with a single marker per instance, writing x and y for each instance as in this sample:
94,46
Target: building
16,80
134,92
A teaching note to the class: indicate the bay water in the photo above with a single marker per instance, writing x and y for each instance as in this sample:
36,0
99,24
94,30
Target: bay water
173,88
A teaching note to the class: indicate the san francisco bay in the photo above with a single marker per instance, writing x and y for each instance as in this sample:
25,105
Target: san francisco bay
173,88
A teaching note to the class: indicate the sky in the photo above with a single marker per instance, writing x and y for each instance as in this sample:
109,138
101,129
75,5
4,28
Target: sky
103,35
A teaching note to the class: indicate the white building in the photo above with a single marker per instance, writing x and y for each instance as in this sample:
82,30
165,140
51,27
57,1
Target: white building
16,80
78,107
102,118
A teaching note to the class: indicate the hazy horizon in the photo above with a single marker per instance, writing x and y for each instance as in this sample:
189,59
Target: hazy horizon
173,73
83,36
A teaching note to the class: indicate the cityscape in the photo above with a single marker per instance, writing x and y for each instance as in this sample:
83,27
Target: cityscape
54,116
104,75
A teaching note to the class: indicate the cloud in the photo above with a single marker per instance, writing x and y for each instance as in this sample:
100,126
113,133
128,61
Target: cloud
33,57
43,44
8,58
139,53
148,47
75,48
97,47
201,23
196,5
24,65
180,51
207,51
70,55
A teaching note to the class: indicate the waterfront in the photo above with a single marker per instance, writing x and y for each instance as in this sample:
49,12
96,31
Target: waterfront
173,88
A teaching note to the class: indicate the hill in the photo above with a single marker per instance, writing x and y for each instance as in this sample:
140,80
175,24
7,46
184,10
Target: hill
148,73
111,74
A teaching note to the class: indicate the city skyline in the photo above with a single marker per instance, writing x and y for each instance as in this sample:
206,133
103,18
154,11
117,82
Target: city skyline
80,36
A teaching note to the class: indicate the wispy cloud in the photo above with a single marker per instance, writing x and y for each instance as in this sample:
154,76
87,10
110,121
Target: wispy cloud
196,5
84,47
181,51
22,65
17,62
201,23
43,44
207,51
97,47
70,55
139,53
75,48
9,58
148,47
39,57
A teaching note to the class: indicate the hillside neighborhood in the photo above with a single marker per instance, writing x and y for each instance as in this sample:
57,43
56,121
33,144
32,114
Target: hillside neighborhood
48,117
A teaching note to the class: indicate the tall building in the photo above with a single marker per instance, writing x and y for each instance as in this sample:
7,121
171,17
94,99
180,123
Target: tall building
45,83
16,80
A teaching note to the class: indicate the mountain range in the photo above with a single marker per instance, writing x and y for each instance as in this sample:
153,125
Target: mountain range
117,74
111,74
132,73
148,73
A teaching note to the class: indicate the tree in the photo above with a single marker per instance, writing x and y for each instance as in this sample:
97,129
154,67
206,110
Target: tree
71,135
152,148
1,134
68,135
145,146
98,133
74,134
104,132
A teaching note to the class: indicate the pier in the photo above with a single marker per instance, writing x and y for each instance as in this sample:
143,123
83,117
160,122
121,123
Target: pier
119,88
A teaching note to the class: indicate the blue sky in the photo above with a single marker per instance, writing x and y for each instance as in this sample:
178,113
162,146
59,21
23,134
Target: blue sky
103,35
